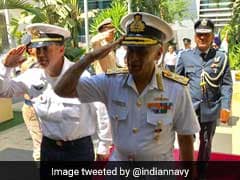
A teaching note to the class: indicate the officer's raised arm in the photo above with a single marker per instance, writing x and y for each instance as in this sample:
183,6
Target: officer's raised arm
142,100
66,87
14,57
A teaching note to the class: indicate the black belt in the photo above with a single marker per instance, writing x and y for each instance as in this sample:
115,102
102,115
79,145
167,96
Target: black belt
28,102
62,143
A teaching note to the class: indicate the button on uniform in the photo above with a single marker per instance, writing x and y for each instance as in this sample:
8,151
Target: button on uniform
139,103
116,117
135,130
157,131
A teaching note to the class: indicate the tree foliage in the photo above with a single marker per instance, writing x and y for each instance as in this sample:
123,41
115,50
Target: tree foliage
232,33
169,10
65,13
116,11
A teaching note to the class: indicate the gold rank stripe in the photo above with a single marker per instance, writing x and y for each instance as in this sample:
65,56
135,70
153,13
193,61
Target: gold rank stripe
117,71
45,39
139,40
175,77
159,82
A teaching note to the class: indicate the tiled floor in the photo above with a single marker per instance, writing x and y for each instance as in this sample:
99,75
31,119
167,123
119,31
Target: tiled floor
15,144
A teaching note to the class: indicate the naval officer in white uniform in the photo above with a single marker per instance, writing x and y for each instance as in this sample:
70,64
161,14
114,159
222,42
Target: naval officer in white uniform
148,105
66,123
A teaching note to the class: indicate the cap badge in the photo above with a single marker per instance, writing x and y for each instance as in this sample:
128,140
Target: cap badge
137,26
204,22
35,33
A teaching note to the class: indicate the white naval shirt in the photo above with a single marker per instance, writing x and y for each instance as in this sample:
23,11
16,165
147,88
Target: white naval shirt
61,118
135,121
170,59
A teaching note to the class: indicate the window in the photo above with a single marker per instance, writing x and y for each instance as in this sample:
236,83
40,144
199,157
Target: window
95,4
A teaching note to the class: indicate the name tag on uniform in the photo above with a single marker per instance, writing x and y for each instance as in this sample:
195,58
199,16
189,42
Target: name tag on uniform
119,103
160,107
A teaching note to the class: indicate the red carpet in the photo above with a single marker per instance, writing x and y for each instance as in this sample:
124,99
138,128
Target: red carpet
214,156
221,166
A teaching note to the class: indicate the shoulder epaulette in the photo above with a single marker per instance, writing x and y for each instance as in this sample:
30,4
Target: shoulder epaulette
175,77
117,71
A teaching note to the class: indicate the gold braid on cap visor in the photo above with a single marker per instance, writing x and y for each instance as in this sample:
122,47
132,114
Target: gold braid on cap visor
139,41
45,39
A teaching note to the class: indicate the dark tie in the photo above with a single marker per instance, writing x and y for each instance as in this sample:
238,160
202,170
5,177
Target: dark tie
203,55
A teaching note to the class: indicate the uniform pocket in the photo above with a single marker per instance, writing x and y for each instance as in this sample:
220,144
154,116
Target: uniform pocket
210,110
118,113
118,109
72,111
40,104
159,112
159,124
153,118
47,109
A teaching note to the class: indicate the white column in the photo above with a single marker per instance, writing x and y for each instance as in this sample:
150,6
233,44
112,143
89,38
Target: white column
86,24
6,13
198,3
129,6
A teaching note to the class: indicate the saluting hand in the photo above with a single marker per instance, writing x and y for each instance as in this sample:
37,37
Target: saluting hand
104,50
15,57
106,35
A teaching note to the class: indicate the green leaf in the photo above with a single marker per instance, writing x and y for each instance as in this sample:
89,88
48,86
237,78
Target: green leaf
65,13
73,54
116,11
232,30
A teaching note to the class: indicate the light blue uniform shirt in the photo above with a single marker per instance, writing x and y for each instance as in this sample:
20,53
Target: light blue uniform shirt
143,125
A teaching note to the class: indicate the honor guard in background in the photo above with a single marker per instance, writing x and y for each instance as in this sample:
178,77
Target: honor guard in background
29,116
187,43
105,35
210,83
147,105
66,123
216,43
187,46
170,58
